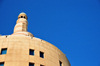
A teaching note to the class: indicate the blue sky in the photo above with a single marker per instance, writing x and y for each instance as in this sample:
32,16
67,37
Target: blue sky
71,25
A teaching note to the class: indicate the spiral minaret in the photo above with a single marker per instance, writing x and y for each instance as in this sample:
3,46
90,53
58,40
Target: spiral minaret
21,26
23,49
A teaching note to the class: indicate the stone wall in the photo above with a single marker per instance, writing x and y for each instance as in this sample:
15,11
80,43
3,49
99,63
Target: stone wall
18,52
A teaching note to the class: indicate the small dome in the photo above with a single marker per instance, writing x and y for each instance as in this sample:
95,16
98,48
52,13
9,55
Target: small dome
22,15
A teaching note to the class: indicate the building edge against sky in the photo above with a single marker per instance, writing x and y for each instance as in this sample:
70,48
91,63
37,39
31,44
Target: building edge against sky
22,48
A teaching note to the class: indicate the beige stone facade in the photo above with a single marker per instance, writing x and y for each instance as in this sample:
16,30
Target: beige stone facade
19,45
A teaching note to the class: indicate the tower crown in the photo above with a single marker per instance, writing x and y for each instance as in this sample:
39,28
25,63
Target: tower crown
22,15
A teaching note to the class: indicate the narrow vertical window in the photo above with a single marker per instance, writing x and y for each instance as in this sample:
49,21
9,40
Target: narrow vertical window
2,64
3,51
60,63
31,52
31,64
41,54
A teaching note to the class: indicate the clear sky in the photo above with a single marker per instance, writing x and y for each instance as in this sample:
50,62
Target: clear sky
71,25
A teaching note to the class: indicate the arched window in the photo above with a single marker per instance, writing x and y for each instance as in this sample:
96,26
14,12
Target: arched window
24,16
21,16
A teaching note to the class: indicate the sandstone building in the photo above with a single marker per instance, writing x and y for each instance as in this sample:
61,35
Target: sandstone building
23,49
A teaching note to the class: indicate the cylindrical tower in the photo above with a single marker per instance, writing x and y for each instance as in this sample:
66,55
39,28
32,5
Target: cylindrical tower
21,26
23,49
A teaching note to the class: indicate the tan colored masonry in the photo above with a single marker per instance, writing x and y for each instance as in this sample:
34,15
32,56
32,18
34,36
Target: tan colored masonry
18,45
